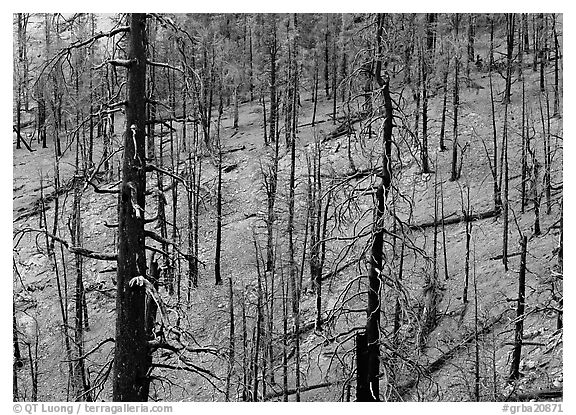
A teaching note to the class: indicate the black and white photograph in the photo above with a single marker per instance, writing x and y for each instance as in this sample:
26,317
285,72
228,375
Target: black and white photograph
287,207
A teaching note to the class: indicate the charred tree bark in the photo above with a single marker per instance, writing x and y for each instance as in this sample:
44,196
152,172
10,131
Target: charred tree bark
315,90
536,193
79,385
497,190
273,51
217,275
362,387
17,363
541,50
506,192
231,347
455,105
132,358
426,56
556,64
294,283
444,102
519,330
468,237
374,282
524,158
510,30
326,60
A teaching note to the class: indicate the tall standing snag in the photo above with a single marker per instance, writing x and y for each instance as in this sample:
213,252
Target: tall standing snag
131,355
373,309
519,330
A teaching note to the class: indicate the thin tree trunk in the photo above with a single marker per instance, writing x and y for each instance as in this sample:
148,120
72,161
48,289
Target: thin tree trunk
536,194
255,359
497,191
444,101
556,64
326,60
265,125
245,360
315,91
425,164
443,231
334,77
79,385
284,337
455,105
294,285
231,340
468,237
510,30
273,104
505,204
219,204
17,356
541,51
519,330
524,158
477,380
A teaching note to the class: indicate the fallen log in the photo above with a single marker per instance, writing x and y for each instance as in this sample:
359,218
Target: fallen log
497,257
302,389
541,394
452,219
233,149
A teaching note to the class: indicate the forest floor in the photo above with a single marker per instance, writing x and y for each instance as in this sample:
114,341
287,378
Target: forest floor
36,290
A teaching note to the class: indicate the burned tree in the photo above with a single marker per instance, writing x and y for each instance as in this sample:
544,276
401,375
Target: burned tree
131,355
368,382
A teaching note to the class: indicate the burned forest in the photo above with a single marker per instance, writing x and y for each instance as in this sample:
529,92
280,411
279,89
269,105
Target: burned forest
287,207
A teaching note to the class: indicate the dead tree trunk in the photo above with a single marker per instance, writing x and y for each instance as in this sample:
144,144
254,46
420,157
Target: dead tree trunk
468,237
556,64
273,51
373,309
455,105
231,348
326,59
362,387
541,50
79,385
518,333
131,355
426,55
536,193
444,102
510,30
217,275
497,190
17,363
505,201
294,283
524,157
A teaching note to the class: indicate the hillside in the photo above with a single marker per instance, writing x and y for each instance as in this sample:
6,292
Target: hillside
420,360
